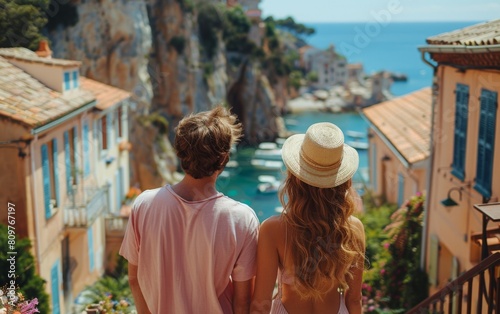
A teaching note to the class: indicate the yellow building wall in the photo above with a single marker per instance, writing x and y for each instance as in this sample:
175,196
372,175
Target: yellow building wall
453,226
386,173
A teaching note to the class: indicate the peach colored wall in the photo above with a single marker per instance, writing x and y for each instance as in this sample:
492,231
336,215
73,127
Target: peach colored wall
12,175
387,173
454,225
49,75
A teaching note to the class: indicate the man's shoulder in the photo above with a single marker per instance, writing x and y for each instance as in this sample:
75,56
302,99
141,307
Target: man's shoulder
146,197
235,207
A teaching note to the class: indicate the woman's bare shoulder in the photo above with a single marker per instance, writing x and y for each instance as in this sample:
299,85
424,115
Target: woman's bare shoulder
272,226
357,227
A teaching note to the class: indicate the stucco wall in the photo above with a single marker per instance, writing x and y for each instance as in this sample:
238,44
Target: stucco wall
453,226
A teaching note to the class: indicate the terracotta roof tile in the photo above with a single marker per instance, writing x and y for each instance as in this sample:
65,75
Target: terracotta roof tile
483,34
106,95
25,99
406,122
24,54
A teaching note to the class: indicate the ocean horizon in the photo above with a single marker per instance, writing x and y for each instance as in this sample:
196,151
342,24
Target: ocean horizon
391,46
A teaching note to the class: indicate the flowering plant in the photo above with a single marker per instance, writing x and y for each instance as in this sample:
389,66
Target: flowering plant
12,303
108,305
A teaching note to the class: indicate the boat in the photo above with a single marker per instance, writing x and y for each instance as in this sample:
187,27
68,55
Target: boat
267,164
232,164
268,187
358,144
280,141
271,154
355,134
268,145
267,178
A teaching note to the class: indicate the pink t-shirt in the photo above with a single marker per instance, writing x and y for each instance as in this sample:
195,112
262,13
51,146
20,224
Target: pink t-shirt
187,252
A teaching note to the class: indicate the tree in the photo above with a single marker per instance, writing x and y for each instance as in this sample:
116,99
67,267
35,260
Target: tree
21,22
28,282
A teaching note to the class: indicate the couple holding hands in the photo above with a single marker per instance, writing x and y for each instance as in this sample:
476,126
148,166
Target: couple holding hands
191,249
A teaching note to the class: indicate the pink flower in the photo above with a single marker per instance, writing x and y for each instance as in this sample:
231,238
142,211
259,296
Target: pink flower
382,271
386,245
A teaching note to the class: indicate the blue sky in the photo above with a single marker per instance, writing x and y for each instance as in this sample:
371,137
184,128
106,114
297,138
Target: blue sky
311,11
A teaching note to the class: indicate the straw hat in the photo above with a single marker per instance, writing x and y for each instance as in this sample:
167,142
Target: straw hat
320,158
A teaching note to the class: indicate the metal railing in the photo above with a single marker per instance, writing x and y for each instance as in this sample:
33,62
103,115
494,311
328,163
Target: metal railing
479,285
116,226
84,209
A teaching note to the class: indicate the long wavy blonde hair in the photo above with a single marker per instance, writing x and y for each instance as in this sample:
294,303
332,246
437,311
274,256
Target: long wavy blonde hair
322,244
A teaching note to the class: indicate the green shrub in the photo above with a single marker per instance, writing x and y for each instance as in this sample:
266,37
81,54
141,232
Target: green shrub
210,24
29,283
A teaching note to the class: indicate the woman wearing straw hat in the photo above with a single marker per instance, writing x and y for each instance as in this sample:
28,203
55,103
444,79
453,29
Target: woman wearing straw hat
316,246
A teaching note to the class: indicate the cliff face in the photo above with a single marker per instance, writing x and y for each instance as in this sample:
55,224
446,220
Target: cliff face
152,49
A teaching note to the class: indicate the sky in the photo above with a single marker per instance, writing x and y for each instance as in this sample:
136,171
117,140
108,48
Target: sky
318,11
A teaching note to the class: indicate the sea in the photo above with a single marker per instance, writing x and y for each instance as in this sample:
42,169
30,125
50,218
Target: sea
392,47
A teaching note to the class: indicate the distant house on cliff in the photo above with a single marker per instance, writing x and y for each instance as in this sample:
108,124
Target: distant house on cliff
65,163
330,66
399,145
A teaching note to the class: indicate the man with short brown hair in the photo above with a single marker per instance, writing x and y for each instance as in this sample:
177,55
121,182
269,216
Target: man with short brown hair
190,248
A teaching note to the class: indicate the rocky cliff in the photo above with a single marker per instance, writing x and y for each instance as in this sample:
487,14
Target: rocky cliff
152,48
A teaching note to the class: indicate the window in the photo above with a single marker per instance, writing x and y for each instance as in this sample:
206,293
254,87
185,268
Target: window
67,81
50,176
401,188
69,159
103,131
119,124
485,148
86,153
90,239
76,79
460,139
55,288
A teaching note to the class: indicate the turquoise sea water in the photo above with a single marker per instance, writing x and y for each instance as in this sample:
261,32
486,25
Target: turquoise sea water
241,184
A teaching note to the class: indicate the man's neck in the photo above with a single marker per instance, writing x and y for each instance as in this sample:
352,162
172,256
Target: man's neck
192,189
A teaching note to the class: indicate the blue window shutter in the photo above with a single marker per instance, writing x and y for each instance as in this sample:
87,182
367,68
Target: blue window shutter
86,154
460,138
90,238
46,180
486,140
67,81
109,128
76,153
56,171
76,82
401,189
67,162
55,289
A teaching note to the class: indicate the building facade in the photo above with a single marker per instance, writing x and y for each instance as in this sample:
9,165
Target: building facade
62,166
465,143
399,146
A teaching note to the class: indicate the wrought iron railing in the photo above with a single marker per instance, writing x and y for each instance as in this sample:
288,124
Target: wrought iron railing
477,288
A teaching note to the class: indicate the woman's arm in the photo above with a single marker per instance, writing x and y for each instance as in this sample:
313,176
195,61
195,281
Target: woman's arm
353,295
267,266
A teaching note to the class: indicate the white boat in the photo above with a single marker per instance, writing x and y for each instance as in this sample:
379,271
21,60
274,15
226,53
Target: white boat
358,144
355,134
268,187
267,178
268,145
271,154
280,141
267,164
232,164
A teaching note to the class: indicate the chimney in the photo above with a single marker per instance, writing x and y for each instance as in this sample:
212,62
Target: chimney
44,49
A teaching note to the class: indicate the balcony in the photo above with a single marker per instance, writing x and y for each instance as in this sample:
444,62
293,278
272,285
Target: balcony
84,207
116,226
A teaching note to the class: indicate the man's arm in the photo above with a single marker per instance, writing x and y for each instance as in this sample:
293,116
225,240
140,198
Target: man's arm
140,303
242,296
